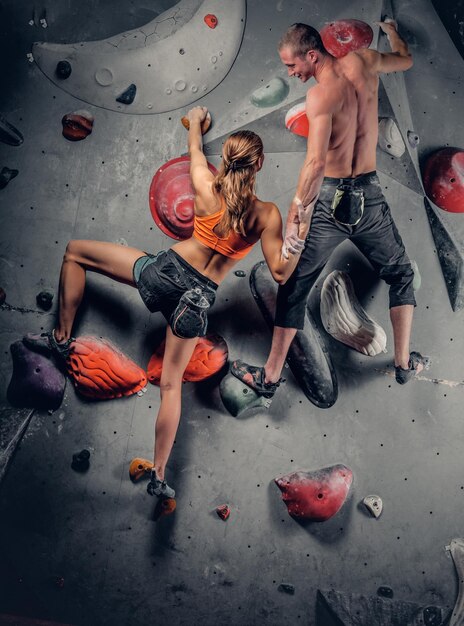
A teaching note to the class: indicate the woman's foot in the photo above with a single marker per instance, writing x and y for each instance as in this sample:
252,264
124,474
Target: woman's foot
47,344
160,488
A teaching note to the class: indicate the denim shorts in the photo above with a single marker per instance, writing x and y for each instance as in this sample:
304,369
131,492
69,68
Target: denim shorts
375,235
163,278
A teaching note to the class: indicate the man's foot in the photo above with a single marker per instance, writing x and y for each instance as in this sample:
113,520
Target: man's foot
47,344
160,488
416,364
254,377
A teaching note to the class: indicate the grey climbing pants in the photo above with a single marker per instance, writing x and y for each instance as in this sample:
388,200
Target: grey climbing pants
375,235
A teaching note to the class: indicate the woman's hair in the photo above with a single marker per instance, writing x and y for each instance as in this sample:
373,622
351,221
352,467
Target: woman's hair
235,179
301,38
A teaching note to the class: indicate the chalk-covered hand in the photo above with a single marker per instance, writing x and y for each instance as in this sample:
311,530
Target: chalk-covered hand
197,113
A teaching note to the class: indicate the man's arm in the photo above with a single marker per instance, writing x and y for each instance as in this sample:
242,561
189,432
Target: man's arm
319,113
399,59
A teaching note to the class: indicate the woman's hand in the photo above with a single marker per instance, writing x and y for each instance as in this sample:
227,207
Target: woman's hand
197,114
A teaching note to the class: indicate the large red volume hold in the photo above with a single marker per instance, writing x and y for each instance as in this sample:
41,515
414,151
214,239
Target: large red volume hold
315,495
344,36
444,179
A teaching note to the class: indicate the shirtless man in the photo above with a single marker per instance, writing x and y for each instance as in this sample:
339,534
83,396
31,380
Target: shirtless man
342,109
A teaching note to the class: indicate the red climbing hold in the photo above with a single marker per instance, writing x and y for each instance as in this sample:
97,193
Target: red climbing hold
211,20
209,356
171,198
344,36
77,125
296,120
316,495
444,179
223,511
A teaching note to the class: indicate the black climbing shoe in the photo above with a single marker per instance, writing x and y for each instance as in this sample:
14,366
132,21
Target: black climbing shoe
160,488
403,376
254,377
46,344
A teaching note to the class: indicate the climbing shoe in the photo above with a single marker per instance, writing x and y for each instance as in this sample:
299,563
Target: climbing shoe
403,376
160,488
46,344
254,377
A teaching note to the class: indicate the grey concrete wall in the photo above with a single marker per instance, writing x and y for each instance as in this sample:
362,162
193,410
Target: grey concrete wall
96,530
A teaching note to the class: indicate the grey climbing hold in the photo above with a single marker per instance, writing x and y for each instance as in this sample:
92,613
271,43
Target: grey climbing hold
344,318
44,299
128,96
6,175
456,548
416,283
240,273
287,588
390,139
450,250
373,504
413,139
63,69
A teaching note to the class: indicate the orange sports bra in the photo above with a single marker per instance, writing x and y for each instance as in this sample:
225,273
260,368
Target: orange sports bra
233,246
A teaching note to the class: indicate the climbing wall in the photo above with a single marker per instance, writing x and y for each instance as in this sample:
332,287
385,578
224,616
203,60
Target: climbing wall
79,155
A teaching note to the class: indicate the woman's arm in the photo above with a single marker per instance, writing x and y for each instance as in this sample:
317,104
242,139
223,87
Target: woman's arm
200,174
280,267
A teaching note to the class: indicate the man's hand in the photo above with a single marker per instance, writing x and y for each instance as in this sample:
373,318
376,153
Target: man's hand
388,26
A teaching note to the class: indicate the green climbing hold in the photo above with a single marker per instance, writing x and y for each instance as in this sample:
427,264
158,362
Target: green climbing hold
271,94
238,397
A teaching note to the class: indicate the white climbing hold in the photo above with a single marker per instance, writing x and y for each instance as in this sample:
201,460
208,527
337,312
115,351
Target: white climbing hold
456,548
344,318
373,504
390,139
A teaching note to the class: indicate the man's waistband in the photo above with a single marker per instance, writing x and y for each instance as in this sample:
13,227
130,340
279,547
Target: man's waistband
363,179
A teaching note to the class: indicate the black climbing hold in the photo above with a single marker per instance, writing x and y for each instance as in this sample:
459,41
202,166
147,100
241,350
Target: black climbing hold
432,616
63,69
128,96
9,134
286,588
307,357
80,462
240,273
6,175
385,592
2,296
44,299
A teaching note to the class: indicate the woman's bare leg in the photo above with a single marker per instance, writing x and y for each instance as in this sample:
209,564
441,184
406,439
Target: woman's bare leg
110,259
177,355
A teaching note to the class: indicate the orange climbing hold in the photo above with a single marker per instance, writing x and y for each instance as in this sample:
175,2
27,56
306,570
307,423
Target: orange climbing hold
101,371
164,506
139,468
209,356
211,20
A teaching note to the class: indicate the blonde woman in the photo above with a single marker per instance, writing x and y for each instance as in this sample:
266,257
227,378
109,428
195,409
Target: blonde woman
181,282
